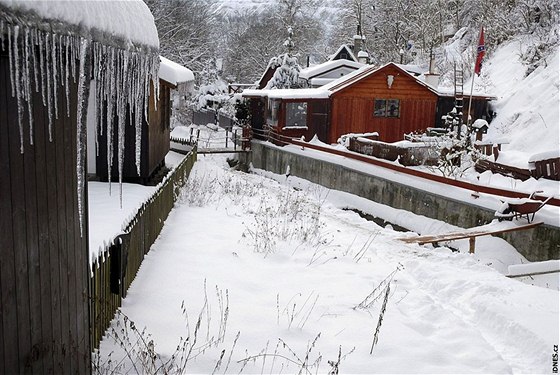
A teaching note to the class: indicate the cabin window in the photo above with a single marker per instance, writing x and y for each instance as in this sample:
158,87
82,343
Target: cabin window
272,112
387,108
296,114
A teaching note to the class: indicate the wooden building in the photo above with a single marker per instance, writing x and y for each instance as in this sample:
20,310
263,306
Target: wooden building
387,100
322,74
44,259
173,78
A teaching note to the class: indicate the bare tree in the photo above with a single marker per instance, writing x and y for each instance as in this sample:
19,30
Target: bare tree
186,30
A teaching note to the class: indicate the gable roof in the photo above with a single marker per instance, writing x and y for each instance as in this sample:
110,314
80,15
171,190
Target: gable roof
346,49
368,70
345,82
327,66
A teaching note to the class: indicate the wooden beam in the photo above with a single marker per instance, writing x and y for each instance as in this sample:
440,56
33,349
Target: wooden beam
462,235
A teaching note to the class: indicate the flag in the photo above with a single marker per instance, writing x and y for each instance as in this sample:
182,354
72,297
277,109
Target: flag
481,49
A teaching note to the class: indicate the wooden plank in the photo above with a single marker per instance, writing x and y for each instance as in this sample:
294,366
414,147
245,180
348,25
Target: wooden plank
533,274
20,239
43,220
54,242
465,234
9,357
59,128
72,226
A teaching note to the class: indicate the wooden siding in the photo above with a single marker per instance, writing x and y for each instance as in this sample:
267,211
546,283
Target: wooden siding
154,144
44,322
352,107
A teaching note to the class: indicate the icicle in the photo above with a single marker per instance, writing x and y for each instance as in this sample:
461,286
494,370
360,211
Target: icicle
17,83
10,58
2,34
33,47
81,134
48,79
42,66
27,84
66,83
54,75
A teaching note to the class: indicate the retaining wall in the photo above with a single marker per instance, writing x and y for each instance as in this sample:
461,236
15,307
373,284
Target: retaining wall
541,243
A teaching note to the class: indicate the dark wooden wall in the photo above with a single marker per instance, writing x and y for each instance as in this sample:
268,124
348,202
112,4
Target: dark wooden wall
44,321
480,109
352,107
317,120
154,143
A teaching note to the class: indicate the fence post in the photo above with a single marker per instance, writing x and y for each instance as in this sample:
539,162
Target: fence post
227,138
235,139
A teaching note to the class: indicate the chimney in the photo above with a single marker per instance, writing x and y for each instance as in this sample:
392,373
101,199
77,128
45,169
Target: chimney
358,40
363,57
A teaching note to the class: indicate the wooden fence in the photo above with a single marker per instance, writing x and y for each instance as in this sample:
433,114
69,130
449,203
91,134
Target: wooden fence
115,269
210,116
483,165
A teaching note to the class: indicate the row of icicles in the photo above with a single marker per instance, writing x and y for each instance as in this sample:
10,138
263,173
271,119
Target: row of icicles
46,61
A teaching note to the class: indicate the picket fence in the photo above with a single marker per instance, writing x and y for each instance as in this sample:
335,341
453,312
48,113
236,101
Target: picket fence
115,269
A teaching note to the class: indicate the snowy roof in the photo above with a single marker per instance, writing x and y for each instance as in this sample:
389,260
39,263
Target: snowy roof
350,53
340,84
414,69
316,70
317,93
174,73
127,20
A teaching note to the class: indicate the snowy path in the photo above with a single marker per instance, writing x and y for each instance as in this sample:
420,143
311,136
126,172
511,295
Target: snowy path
446,312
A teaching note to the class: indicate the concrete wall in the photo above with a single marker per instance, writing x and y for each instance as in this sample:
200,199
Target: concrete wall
541,243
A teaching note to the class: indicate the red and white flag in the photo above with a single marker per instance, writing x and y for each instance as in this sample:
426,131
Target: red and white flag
480,52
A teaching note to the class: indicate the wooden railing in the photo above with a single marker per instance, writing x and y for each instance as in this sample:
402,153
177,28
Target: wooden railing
114,270
268,134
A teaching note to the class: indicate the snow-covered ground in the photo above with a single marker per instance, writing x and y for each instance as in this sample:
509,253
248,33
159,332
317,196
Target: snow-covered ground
273,276
106,216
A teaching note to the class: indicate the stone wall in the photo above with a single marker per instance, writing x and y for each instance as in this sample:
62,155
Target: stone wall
541,243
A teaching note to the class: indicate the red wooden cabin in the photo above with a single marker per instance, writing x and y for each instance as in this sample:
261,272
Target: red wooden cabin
387,100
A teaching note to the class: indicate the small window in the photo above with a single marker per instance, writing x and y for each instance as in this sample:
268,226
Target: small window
272,112
296,114
380,106
386,108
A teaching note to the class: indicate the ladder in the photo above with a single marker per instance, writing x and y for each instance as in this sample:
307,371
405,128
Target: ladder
459,98
458,89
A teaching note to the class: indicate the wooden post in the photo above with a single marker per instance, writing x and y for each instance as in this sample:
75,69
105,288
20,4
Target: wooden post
226,138
235,139
471,244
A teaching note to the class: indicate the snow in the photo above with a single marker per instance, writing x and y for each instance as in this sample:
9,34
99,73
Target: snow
316,93
174,73
554,154
527,107
107,217
546,266
130,20
319,69
548,214
234,254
